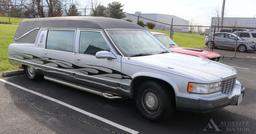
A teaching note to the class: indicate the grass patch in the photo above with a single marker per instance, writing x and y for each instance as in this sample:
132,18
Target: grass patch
190,40
7,32
12,20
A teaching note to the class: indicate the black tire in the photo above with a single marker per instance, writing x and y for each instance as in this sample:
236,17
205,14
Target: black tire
164,105
242,48
32,74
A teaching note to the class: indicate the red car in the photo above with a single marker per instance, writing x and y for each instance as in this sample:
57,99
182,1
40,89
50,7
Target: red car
189,51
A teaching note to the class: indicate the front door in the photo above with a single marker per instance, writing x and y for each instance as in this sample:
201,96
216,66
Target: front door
94,72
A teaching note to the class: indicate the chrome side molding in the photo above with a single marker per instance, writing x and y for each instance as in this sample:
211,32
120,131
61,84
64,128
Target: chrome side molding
105,95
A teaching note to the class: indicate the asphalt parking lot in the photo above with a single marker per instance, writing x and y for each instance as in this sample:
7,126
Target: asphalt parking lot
46,107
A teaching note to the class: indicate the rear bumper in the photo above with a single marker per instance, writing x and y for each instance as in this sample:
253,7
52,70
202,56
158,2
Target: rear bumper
206,104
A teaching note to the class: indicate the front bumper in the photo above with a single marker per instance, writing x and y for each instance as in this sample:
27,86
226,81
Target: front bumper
205,103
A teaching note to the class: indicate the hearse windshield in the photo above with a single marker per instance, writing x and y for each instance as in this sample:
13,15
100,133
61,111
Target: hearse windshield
134,43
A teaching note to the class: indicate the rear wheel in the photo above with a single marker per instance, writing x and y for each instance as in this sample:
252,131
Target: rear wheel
32,73
154,102
242,48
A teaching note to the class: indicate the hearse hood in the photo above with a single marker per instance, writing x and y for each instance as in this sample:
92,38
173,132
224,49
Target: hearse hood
198,68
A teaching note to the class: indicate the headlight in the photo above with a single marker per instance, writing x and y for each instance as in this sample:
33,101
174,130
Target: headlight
200,88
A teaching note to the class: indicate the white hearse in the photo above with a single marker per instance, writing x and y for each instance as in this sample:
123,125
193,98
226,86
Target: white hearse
118,59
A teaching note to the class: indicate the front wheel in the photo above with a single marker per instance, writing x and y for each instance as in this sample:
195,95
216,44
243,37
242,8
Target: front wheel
32,73
242,48
154,101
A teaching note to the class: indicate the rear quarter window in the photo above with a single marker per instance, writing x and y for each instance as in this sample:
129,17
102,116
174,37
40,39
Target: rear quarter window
28,37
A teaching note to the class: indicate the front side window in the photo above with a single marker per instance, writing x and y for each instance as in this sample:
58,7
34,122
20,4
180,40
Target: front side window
91,42
219,35
60,40
136,42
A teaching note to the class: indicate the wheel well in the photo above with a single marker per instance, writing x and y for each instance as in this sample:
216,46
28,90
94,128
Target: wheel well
137,81
241,45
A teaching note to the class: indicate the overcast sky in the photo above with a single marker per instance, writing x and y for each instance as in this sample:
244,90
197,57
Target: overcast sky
197,11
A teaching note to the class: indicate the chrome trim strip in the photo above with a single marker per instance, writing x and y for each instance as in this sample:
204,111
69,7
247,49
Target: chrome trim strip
97,83
37,28
74,86
106,95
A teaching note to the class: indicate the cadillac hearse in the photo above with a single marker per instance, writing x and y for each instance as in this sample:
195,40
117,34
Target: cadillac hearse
117,59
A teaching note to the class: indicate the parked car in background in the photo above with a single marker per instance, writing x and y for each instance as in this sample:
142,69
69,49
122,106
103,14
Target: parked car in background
116,59
249,36
169,43
229,41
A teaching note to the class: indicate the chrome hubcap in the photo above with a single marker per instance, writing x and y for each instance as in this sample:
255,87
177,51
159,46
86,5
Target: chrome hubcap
31,71
151,101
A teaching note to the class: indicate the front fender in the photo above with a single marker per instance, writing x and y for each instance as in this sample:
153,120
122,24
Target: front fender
157,76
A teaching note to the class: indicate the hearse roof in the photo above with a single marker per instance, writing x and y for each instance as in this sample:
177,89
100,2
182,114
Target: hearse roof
74,22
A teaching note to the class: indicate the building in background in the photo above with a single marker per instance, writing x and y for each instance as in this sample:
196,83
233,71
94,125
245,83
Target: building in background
162,21
235,22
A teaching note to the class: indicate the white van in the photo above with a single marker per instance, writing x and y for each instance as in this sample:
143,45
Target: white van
247,35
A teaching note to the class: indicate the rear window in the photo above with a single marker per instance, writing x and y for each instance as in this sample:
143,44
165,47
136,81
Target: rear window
28,37
60,40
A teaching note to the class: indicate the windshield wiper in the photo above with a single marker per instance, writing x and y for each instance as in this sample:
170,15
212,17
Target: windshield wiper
140,54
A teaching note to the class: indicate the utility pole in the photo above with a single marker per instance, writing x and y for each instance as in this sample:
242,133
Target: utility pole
222,13
171,29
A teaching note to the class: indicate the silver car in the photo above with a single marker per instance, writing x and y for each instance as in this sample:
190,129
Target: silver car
229,41
118,59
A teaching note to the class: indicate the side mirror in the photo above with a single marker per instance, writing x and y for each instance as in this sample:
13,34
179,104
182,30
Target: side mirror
105,55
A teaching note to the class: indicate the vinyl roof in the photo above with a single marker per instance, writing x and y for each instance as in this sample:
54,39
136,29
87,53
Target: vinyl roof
75,22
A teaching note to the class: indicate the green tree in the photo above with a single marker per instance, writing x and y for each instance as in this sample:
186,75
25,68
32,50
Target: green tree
54,8
72,11
99,10
115,10
141,23
151,25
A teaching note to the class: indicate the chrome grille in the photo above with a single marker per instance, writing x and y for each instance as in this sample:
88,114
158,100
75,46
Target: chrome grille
228,85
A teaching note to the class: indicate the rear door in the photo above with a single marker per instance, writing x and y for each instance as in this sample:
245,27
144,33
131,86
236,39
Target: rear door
219,40
102,74
59,53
